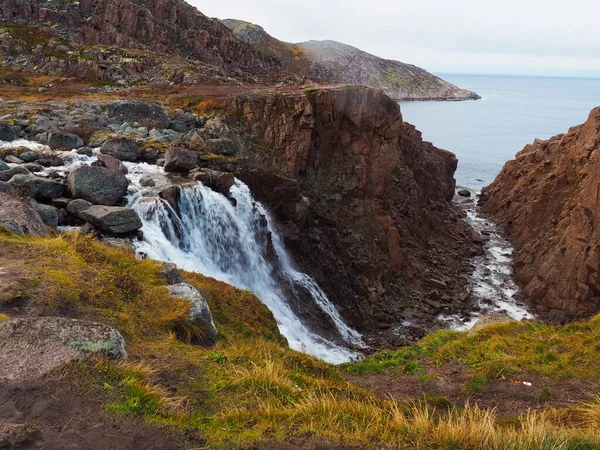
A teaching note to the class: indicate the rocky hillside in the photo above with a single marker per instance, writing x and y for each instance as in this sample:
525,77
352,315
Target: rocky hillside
335,62
95,38
381,236
548,198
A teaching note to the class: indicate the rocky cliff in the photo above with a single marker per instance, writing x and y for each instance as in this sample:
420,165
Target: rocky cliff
548,198
335,62
381,234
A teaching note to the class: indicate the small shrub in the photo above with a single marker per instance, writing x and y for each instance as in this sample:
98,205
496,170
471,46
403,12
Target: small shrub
475,385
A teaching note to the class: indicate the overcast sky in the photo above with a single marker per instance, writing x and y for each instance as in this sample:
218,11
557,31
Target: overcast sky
528,37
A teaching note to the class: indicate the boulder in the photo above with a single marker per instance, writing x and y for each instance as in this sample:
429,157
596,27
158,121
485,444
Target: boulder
180,160
62,139
18,216
6,187
4,166
86,151
121,148
220,182
178,125
150,115
171,274
38,187
112,163
147,181
200,313
112,219
7,133
6,175
491,319
32,347
50,161
77,206
222,146
98,185
29,156
13,159
48,214
33,167
464,193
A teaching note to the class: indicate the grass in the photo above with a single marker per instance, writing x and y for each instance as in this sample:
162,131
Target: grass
249,389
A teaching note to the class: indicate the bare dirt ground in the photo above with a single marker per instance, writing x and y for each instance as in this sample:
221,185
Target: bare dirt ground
508,395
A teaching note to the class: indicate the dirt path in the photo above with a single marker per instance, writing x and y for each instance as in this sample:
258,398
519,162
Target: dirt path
452,381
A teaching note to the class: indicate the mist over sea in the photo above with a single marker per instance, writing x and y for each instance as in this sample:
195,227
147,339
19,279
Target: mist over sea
514,111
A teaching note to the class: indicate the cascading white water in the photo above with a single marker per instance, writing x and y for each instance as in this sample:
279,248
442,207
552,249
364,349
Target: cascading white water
229,243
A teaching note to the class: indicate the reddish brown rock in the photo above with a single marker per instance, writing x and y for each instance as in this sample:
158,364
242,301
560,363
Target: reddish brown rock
549,199
364,202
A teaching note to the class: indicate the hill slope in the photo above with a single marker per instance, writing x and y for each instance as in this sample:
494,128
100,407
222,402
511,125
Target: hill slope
335,62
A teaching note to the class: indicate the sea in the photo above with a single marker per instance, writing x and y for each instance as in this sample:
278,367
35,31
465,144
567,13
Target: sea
513,112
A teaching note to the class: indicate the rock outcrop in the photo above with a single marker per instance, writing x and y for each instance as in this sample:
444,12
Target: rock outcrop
548,197
335,62
364,203
30,348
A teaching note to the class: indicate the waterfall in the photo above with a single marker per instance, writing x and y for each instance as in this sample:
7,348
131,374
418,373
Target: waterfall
239,245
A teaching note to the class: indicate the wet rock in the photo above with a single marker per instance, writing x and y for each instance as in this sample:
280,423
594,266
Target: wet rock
7,188
112,163
29,156
33,167
6,175
87,151
464,193
171,274
222,146
150,115
112,219
37,187
11,159
149,155
220,182
64,140
200,313
50,161
7,134
20,217
171,196
4,166
32,347
98,185
121,148
180,160
147,181
48,214
491,319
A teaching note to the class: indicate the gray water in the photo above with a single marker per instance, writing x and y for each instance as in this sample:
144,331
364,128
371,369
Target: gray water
513,112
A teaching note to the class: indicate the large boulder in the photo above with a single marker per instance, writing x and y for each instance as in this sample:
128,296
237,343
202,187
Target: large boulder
180,160
48,214
200,313
122,148
112,219
98,185
77,206
18,216
4,166
220,182
7,133
62,139
37,187
6,175
32,347
112,163
150,115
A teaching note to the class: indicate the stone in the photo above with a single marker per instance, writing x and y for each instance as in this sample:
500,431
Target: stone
6,187
149,155
64,140
491,319
29,156
4,166
122,148
178,125
112,219
20,217
222,146
6,175
112,163
180,160
150,115
7,133
171,274
38,187
200,313
86,151
77,206
11,159
33,167
98,185
50,161
464,193
147,181
220,182
32,347
48,214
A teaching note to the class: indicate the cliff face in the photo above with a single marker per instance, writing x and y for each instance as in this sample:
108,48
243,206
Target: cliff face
335,62
549,199
164,26
381,232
